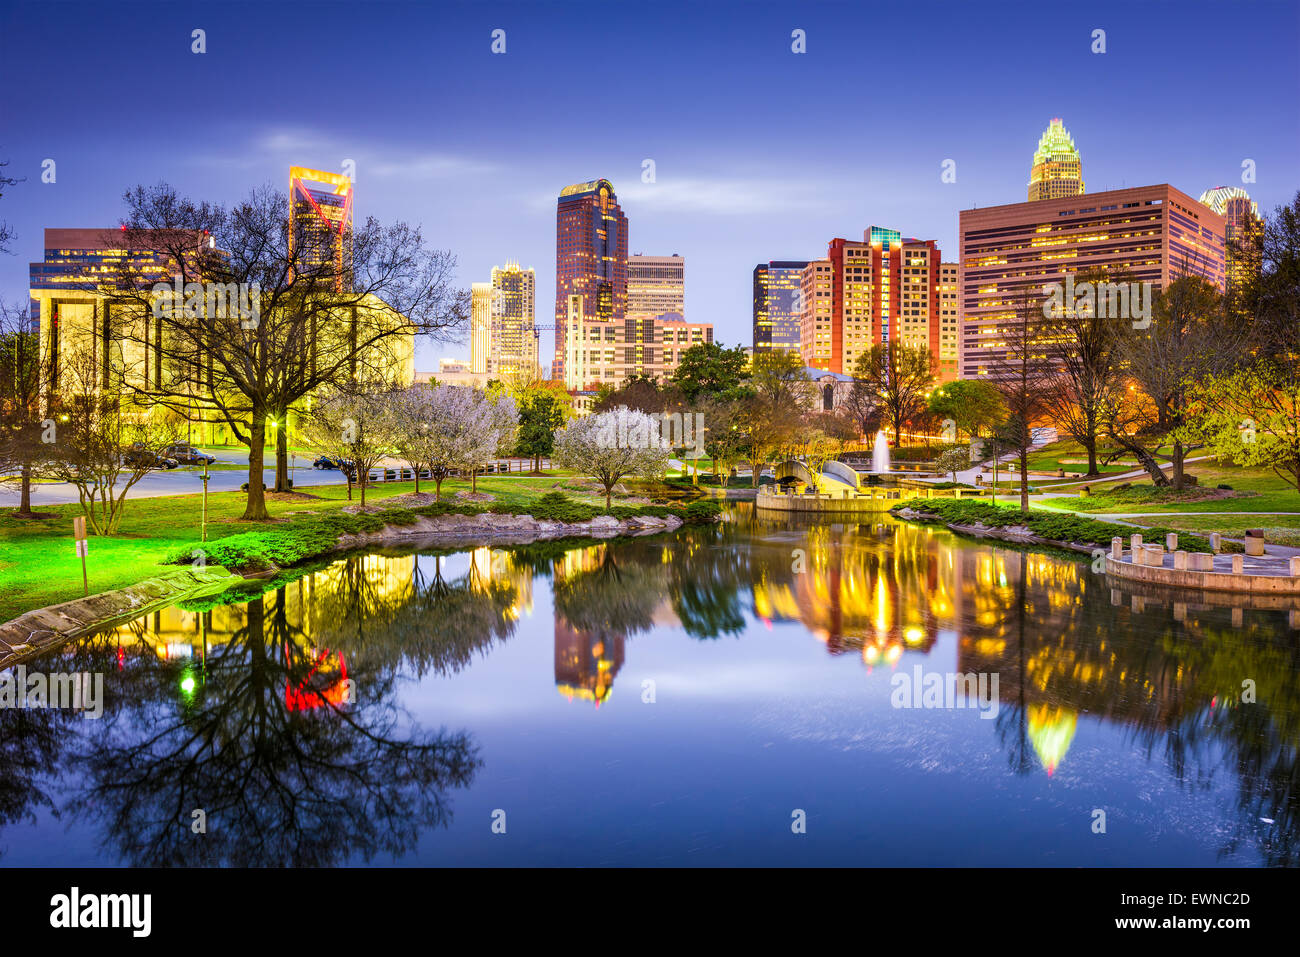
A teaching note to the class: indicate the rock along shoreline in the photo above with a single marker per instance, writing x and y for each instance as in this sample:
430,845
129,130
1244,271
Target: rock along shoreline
34,633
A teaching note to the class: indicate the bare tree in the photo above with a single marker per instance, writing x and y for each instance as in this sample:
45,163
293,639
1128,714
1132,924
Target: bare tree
1083,344
1022,375
1189,337
105,443
309,323
901,376
6,231
771,416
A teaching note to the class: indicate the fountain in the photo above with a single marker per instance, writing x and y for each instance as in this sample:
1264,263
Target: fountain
880,454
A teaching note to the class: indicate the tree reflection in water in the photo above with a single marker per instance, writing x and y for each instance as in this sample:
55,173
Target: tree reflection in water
254,728
284,728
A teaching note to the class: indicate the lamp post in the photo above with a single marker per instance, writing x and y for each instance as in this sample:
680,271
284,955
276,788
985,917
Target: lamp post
205,500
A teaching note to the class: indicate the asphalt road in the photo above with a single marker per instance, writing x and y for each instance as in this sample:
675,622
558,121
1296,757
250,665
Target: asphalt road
183,480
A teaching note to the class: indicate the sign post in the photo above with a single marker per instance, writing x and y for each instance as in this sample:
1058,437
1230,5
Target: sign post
83,548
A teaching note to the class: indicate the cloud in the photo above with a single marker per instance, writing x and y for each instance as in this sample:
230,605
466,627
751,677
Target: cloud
305,146
720,197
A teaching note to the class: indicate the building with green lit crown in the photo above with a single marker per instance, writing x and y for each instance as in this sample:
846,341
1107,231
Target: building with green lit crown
1057,171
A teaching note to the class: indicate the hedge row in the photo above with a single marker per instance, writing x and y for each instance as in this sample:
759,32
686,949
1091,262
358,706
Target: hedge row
1053,526
284,545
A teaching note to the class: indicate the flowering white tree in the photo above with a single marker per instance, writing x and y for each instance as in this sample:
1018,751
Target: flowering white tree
612,445
359,423
452,428
490,432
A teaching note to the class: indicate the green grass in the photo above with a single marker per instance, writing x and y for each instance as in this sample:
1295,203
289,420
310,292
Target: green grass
1049,457
1054,526
1265,493
1278,529
39,566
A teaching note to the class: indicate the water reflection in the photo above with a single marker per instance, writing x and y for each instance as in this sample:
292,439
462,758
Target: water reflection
285,719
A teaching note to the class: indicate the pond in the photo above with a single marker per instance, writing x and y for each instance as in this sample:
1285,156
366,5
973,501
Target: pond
761,692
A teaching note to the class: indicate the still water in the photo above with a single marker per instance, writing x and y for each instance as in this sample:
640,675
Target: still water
724,696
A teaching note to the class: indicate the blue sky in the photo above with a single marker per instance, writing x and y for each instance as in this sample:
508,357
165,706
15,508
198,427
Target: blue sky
760,153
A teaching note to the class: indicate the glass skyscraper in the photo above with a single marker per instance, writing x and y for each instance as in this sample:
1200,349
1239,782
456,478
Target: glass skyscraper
590,260
777,305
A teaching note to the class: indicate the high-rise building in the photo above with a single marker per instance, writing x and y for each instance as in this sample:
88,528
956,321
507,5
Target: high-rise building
1057,170
605,352
320,223
502,339
1145,234
815,327
480,326
1243,230
656,287
777,297
883,288
590,260
949,321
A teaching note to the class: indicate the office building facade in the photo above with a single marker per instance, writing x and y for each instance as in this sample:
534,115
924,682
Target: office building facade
883,288
590,261
1147,234
777,297
656,287
320,224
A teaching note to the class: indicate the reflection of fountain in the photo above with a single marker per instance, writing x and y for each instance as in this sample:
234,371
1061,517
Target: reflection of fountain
880,453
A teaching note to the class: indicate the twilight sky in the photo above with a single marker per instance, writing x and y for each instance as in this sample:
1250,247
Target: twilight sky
760,153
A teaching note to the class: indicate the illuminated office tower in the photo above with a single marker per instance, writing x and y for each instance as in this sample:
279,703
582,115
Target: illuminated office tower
949,321
777,298
590,260
1243,230
1146,233
815,314
1057,171
320,223
656,287
882,288
512,342
480,326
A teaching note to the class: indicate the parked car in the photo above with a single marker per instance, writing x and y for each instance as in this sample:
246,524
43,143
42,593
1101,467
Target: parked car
137,455
187,454
331,462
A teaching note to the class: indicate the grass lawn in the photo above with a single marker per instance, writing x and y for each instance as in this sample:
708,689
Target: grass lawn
1049,458
1278,529
1270,494
39,565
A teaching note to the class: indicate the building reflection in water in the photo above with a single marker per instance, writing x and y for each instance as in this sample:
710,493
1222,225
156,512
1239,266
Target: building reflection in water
871,589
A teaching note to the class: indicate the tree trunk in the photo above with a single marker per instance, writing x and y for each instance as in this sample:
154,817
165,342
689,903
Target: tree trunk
282,454
362,475
1092,457
25,501
607,490
255,510
1177,459
437,488
473,480
415,467
1147,461
349,478
1024,480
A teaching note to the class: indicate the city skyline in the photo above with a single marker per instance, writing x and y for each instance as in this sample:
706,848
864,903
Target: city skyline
719,197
